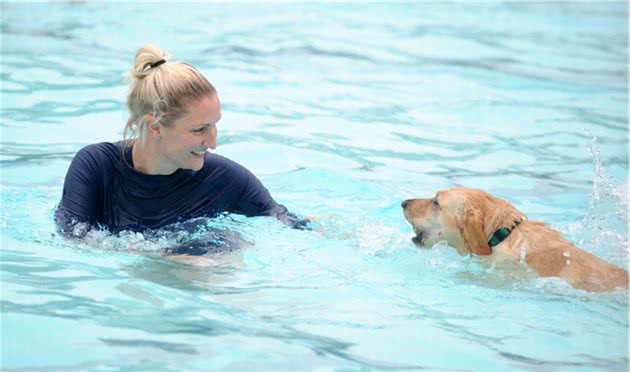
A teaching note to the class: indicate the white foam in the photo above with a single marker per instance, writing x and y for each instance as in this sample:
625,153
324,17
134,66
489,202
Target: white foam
604,228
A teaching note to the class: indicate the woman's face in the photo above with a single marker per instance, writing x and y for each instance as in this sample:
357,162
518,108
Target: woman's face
183,144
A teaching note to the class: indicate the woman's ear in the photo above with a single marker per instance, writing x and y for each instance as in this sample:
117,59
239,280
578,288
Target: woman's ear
474,236
153,127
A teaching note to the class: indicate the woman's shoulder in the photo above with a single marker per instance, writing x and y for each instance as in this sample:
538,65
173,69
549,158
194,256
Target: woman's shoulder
217,162
102,149
217,167
101,155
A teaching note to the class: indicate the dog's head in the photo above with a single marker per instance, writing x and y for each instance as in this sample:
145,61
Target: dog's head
464,218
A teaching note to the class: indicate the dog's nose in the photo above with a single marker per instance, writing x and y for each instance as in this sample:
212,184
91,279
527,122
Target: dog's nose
404,203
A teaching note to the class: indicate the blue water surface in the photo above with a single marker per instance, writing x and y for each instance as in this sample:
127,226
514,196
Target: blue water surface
343,111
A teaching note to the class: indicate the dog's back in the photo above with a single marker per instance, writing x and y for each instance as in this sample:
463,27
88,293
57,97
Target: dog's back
547,252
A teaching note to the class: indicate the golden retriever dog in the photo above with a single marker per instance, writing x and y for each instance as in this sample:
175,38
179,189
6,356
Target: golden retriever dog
473,221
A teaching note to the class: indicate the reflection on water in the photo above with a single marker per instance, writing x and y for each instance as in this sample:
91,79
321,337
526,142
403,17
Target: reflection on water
201,273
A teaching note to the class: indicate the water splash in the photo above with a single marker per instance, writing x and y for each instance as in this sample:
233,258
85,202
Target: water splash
604,228
377,239
197,236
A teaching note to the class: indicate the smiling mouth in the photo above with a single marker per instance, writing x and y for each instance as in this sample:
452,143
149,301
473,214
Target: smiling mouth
198,152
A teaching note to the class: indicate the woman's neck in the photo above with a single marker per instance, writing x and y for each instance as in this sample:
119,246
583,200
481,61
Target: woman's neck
146,160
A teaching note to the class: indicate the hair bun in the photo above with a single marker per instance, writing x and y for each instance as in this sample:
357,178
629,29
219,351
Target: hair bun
148,57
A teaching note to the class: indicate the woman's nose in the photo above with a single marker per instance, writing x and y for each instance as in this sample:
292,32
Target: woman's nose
211,140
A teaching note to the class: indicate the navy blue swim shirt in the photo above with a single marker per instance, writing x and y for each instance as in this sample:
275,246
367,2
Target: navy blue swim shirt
103,189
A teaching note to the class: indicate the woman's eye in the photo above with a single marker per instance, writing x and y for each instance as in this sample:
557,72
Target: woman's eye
200,130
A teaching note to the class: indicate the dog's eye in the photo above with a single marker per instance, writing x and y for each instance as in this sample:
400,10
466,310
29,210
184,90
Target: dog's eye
435,202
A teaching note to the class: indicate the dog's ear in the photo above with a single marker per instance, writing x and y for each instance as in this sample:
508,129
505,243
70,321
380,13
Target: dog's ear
474,237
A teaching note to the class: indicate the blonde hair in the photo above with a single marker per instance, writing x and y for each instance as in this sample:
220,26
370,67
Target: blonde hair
161,88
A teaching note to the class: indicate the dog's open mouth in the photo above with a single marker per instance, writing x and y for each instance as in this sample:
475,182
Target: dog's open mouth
417,240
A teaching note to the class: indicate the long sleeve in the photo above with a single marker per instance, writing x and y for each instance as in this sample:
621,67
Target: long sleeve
79,201
255,200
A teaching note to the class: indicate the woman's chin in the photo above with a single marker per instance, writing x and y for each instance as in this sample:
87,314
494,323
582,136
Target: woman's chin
196,167
196,162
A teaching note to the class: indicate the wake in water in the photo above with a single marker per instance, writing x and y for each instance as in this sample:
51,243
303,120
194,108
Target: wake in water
604,228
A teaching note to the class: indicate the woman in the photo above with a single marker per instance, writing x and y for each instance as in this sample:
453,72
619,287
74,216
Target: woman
161,173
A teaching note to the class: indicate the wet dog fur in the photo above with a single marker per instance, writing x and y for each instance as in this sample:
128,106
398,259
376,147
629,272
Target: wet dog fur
467,218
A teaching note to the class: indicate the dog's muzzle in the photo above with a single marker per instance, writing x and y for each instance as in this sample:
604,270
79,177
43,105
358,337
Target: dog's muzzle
417,240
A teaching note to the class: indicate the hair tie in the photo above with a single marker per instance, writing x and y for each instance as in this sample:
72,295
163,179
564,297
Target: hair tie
156,64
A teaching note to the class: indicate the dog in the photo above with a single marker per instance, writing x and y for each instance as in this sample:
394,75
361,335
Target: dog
473,221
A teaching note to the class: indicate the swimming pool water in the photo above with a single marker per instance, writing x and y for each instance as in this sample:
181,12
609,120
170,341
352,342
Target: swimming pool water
343,111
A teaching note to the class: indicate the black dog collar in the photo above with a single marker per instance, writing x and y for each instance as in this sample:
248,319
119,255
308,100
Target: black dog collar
503,233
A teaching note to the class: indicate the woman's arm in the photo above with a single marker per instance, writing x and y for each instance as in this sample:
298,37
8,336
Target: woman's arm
255,200
78,209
